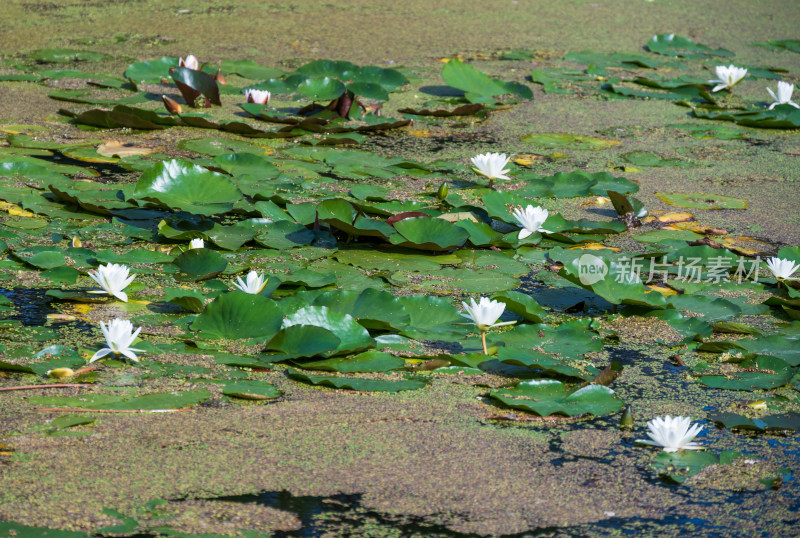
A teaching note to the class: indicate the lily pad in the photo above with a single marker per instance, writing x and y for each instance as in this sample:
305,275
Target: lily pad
181,185
549,397
250,390
702,201
680,465
238,315
673,45
353,383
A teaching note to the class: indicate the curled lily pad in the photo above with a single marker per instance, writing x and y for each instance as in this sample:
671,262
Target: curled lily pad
549,397
352,336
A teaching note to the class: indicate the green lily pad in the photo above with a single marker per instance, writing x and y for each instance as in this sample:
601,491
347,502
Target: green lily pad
673,45
250,390
150,72
547,397
702,201
372,308
477,85
201,263
569,141
321,89
785,421
181,185
191,300
353,383
238,315
249,69
159,400
780,117
353,336
781,44
304,341
680,465
648,158
763,372
429,234
369,361
542,361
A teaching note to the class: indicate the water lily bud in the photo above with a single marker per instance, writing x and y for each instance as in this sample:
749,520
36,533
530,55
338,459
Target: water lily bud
58,373
171,105
626,421
219,77
76,242
442,192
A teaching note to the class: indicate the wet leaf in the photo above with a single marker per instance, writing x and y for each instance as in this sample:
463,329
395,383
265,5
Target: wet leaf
569,141
468,79
678,466
369,361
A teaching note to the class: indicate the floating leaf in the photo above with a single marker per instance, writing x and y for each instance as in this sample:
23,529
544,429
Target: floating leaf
702,201
680,465
369,361
237,315
352,336
353,383
569,141
429,234
673,45
181,185
193,84
548,397
201,263
468,79
250,390
158,400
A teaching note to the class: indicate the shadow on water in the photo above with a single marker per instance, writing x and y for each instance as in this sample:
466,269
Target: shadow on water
31,305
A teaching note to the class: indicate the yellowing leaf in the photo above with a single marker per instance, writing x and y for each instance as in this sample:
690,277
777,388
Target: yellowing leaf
668,218
593,246
599,200
663,290
747,246
422,133
115,148
15,210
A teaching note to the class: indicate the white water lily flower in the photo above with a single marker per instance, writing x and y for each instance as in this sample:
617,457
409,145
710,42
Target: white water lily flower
531,219
113,278
784,96
672,434
485,313
727,77
191,62
260,97
782,269
255,283
197,243
491,165
119,336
